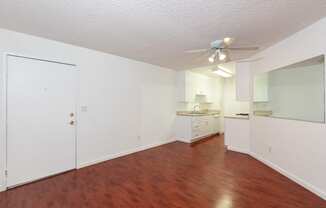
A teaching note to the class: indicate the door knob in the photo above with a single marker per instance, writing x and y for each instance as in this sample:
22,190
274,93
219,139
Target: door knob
71,114
72,123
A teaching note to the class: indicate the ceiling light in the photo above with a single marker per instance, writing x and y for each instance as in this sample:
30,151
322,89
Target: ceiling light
225,69
221,55
222,73
212,58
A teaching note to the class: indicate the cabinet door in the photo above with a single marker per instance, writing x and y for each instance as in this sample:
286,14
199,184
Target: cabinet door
215,125
204,126
200,127
207,125
182,128
196,127
243,81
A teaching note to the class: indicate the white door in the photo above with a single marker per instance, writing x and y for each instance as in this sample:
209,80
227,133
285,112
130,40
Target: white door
41,109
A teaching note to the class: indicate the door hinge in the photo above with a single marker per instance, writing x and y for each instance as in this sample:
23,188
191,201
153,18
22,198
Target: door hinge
6,173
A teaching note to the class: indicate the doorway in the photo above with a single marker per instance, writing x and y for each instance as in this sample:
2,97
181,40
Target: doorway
41,119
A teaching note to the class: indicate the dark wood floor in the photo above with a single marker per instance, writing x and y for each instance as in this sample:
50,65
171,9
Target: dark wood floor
175,175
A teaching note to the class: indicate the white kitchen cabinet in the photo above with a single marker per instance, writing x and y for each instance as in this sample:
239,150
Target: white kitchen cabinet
261,88
199,127
242,81
192,128
215,124
189,85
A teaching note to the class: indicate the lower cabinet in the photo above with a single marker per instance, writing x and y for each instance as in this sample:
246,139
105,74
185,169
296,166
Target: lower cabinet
193,128
215,124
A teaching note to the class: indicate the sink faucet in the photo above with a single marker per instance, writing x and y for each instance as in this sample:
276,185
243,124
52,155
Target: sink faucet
196,106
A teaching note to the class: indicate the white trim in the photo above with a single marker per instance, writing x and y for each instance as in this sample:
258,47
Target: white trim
291,176
236,149
38,58
2,188
196,139
77,107
183,140
3,123
121,154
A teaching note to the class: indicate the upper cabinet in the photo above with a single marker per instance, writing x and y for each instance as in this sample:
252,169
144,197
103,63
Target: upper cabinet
186,87
242,81
194,87
261,88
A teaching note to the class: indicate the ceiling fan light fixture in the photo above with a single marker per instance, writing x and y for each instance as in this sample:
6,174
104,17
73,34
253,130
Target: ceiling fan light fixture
222,49
227,40
211,59
221,55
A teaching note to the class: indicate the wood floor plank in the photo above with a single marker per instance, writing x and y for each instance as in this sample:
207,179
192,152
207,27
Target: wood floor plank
175,175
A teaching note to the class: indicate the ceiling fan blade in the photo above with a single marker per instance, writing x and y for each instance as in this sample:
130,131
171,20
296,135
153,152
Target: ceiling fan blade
203,56
253,48
197,51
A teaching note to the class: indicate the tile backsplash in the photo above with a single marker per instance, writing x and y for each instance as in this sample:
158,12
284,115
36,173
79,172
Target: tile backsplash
189,106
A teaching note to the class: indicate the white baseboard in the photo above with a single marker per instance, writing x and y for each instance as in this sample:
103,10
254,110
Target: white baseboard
235,149
124,153
2,187
189,141
291,176
183,140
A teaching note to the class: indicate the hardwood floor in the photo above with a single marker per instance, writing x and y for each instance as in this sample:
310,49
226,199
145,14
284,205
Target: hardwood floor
175,175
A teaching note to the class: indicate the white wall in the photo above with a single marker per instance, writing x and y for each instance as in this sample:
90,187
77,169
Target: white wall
125,98
298,148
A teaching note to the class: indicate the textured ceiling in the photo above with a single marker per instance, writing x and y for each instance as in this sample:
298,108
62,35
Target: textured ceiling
159,31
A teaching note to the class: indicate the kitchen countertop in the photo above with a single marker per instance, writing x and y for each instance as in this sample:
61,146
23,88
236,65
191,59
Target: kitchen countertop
263,113
237,117
198,113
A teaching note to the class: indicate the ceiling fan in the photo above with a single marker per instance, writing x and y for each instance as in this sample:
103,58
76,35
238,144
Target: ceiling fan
219,49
